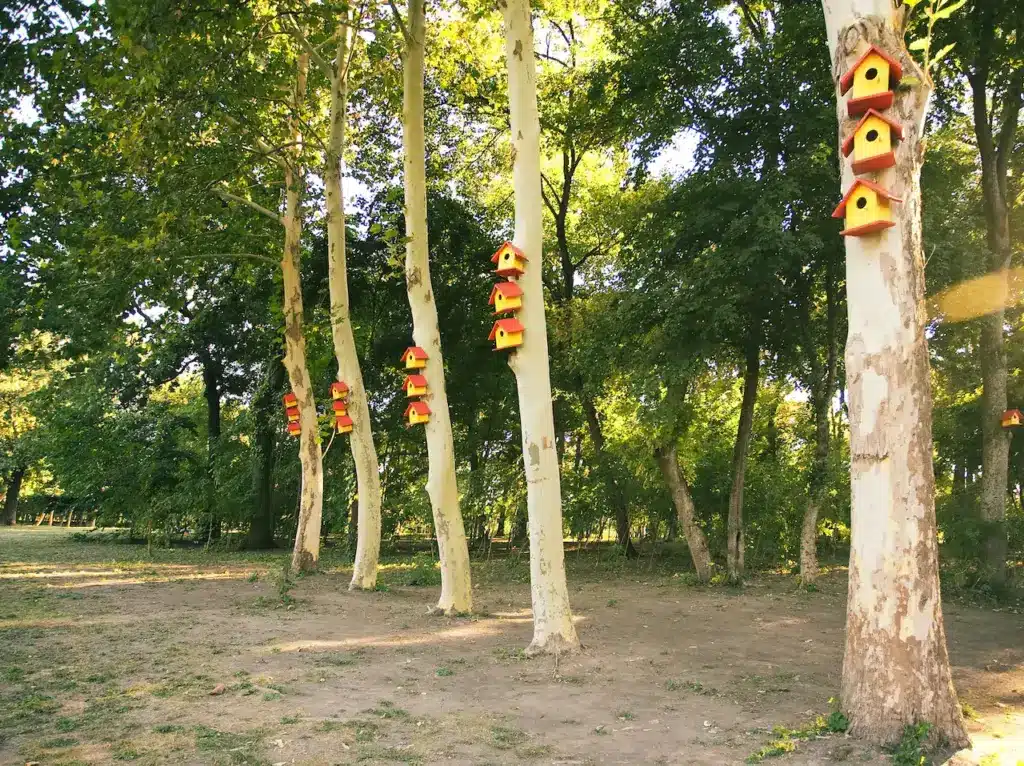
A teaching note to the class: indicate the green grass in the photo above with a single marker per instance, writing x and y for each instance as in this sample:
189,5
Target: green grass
507,737
786,739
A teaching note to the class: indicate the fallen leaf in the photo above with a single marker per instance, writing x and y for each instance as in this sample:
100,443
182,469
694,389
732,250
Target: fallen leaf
218,689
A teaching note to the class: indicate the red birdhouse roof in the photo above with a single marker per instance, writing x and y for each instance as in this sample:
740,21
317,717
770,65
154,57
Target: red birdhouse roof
342,420
508,325
290,400
416,351
895,73
508,246
840,211
414,380
505,290
339,387
420,408
897,130
1011,413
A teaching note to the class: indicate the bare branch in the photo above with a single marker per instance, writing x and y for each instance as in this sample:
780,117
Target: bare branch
549,57
399,21
229,197
314,54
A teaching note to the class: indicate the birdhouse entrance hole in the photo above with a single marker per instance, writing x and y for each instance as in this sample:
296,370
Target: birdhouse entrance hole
862,202
872,135
871,74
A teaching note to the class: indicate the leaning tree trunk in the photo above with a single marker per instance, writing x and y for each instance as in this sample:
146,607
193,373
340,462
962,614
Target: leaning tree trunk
553,629
736,544
896,666
453,551
307,532
13,496
364,571
668,462
604,462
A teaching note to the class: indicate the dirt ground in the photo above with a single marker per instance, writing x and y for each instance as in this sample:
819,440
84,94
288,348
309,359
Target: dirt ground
189,660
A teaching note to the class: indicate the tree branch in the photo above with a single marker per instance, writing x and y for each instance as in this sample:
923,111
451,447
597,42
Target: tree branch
314,54
400,22
249,256
229,197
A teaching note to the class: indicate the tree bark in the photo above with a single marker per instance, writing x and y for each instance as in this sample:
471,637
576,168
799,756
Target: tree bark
12,497
895,666
736,545
306,551
553,629
264,406
668,462
615,493
212,374
453,551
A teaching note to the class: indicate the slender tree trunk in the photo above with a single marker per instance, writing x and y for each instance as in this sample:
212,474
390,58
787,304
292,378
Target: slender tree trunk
212,374
736,545
615,493
896,666
364,571
70,518
453,552
264,408
13,496
306,551
668,462
553,629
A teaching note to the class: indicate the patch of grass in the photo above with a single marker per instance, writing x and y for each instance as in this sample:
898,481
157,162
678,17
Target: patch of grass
56,743
444,672
625,715
167,728
271,696
66,724
124,751
287,720
12,674
912,748
329,726
613,602
337,659
365,731
393,754
507,737
513,654
254,577
696,687
387,710
786,739
969,712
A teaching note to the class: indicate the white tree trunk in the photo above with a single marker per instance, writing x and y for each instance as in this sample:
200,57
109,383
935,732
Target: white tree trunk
896,666
553,630
453,551
307,534
364,571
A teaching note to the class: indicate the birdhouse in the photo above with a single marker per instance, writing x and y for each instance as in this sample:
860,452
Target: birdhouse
506,296
1012,419
507,333
872,79
872,142
292,413
343,423
294,429
340,407
417,412
339,390
866,209
415,358
291,400
510,260
415,385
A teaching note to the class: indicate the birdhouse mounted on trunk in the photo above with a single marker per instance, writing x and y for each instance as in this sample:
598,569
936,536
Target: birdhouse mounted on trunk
866,209
872,142
506,296
871,79
342,423
417,412
1012,419
510,260
339,390
414,358
294,429
291,412
507,333
340,407
415,385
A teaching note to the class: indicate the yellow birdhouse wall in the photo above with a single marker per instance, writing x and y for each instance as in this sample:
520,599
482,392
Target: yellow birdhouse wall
873,138
866,207
503,304
415,417
505,339
871,77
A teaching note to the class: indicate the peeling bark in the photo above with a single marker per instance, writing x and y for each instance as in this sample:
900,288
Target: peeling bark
895,666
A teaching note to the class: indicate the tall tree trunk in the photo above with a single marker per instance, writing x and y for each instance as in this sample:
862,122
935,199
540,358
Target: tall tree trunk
615,493
264,408
12,497
453,551
364,571
553,629
896,666
995,144
668,462
306,551
736,545
212,374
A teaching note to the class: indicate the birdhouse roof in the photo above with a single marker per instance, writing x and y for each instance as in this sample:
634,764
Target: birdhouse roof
508,246
416,351
290,400
508,325
505,290
420,408
414,380
895,72
897,129
339,386
1011,413
342,420
840,211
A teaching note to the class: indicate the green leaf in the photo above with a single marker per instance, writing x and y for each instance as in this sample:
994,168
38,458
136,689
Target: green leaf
949,10
941,54
919,45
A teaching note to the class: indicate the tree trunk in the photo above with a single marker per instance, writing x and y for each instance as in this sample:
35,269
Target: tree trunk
453,552
264,406
736,545
668,462
212,374
553,629
364,571
896,666
306,551
615,493
13,496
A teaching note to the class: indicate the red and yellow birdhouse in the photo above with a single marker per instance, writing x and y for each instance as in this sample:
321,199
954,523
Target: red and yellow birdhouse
417,412
415,385
339,390
294,429
865,208
507,333
291,400
510,260
872,142
340,407
291,412
1012,419
342,423
415,358
506,296
871,79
